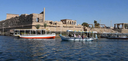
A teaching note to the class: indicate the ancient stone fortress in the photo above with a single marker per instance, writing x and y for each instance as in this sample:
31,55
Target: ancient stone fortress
29,21
121,27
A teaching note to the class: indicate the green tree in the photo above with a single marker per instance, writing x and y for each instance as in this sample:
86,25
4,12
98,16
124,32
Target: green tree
85,24
37,26
95,22
45,25
97,25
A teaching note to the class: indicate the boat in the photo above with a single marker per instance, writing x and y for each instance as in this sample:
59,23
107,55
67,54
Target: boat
43,34
64,38
122,37
104,35
117,36
68,38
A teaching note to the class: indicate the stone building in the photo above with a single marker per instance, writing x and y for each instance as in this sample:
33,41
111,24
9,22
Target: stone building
121,27
29,21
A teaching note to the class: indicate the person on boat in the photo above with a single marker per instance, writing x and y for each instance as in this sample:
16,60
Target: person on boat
85,36
82,36
70,35
74,35
79,36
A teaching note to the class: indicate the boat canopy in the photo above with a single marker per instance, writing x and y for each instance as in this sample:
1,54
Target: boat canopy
82,31
29,29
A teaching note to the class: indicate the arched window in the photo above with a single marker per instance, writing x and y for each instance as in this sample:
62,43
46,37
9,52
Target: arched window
37,19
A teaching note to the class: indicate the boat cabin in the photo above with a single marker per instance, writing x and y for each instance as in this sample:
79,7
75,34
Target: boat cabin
30,31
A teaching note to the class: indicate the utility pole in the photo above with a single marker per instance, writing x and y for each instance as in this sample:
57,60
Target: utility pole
110,23
110,26
100,23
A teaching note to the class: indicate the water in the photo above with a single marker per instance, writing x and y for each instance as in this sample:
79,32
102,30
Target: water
13,49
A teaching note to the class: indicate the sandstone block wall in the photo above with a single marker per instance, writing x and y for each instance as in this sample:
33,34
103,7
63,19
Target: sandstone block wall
11,15
124,31
37,17
25,21
17,21
101,30
68,21
59,28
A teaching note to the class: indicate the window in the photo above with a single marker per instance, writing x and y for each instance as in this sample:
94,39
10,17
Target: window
37,19
55,23
50,22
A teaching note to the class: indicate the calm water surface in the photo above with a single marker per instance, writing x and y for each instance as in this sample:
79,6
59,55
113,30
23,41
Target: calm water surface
13,49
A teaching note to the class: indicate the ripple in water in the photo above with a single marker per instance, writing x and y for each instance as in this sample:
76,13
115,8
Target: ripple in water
12,49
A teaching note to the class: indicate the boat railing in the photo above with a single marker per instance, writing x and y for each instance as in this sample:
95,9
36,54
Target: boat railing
38,34
19,33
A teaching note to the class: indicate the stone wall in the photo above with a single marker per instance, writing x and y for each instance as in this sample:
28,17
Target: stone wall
11,15
101,30
124,31
37,17
59,28
19,21
121,30
25,21
68,21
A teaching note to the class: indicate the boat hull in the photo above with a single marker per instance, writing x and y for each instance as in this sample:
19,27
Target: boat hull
116,38
37,36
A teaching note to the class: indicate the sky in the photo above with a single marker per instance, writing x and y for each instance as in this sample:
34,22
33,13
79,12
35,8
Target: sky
103,11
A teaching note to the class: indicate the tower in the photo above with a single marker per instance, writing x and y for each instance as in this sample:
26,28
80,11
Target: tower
44,15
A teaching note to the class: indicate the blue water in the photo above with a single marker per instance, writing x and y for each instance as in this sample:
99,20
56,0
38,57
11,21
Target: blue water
13,49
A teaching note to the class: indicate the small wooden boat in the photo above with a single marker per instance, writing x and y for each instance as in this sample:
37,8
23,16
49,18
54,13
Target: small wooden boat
64,38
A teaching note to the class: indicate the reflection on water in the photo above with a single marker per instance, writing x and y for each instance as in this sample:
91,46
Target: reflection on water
14,49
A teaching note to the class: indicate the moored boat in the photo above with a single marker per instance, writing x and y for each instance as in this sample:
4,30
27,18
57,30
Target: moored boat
64,38
115,37
80,37
38,34
45,36
118,36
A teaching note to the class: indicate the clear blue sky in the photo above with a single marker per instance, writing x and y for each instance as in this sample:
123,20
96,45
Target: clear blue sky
80,10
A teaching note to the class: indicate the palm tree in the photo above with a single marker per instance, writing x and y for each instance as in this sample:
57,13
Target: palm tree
97,25
37,26
85,24
95,22
45,25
